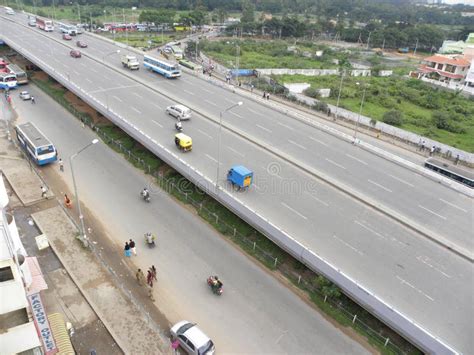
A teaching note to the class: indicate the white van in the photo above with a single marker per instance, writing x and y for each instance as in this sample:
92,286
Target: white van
179,111
9,11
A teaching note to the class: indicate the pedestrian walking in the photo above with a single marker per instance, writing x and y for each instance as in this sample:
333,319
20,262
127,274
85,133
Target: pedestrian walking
132,247
149,278
44,190
268,96
150,293
127,251
456,161
264,94
251,88
423,146
140,277
153,272
33,100
61,165
67,201
432,151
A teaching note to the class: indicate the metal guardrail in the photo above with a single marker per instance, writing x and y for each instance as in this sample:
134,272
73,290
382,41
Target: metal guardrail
404,325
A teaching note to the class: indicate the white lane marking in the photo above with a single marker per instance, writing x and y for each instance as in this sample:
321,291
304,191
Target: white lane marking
369,229
402,181
235,114
378,185
264,128
296,144
254,112
117,98
210,103
356,159
294,211
235,151
158,106
169,82
213,159
138,95
286,126
317,199
208,91
157,123
405,282
334,163
348,245
229,100
430,211
204,133
425,259
453,205
75,72
317,140
136,110
89,81
188,92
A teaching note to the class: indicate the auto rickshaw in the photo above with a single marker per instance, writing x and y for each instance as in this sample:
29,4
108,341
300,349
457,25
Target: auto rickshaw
241,176
183,142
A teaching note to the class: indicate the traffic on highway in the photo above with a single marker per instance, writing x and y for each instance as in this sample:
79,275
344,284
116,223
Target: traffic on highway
286,157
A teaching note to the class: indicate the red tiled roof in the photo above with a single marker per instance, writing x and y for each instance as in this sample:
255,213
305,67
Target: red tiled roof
456,61
426,69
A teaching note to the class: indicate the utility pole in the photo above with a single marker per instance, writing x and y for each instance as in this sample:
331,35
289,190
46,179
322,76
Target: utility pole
416,46
368,40
383,44
126,25
79,12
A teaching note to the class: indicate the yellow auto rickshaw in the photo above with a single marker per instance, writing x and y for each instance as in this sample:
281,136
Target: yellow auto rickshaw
183,142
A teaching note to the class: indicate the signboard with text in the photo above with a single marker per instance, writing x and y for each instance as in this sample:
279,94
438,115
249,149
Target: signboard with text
42,324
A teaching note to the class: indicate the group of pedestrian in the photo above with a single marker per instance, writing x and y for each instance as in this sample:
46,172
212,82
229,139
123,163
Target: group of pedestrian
266,95
151,276
130,248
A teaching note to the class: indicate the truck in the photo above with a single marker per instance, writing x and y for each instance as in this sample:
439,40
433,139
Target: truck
240,176
44,24
31,21
131,62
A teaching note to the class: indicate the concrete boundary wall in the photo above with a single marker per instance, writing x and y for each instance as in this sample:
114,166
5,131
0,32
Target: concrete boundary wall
419,336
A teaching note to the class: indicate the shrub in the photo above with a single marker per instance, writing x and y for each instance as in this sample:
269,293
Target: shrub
393,117
320,106
440,119
312,92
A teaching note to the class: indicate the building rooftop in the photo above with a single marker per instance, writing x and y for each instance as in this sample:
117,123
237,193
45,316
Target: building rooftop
459,61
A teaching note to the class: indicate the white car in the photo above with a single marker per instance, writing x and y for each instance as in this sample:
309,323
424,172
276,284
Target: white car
192,339
179,111
25,95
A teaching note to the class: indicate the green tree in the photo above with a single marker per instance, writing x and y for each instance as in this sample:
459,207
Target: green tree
157,16
441,120
248,12
393,117
327,288
221,14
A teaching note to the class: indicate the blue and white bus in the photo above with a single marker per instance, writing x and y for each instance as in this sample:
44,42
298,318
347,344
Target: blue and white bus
21,77
68,29
38,147
167,69
8,81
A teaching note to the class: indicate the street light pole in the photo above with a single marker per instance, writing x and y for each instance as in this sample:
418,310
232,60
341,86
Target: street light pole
81,217
360,113
221,114
339,95
107,54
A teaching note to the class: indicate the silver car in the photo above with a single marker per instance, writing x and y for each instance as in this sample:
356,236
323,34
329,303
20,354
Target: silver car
25,95
192,339
179,111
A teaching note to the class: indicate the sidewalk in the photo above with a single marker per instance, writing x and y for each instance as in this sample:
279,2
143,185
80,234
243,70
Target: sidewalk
131,328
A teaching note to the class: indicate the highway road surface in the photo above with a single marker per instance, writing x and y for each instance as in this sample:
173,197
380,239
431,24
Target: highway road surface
414,275
255,314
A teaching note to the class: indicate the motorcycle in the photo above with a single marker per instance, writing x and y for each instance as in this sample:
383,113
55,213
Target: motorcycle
215,284
150,240
178,126
145,195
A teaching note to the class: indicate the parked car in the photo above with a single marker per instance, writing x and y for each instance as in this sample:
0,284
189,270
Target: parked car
75,53
67,37
192,339
25,95
179,111
81,44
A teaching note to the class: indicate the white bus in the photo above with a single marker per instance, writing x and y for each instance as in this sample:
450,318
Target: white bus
8,81
68,29
38,147
44,24
177,52
21,76
167,69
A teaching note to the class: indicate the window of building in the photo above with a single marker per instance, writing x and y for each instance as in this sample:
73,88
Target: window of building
6,274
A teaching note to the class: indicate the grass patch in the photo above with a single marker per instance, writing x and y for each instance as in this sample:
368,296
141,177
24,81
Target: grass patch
247,238
140,39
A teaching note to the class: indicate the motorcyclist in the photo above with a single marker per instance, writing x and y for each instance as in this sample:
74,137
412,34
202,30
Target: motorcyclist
145,193
150,238
178,125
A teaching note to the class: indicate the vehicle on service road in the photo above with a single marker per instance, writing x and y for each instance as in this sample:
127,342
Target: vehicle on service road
44,24
81,44
67,37
25,95
192,339
21,76
131,62
163,67
8,81
37,146
179,111
75,53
